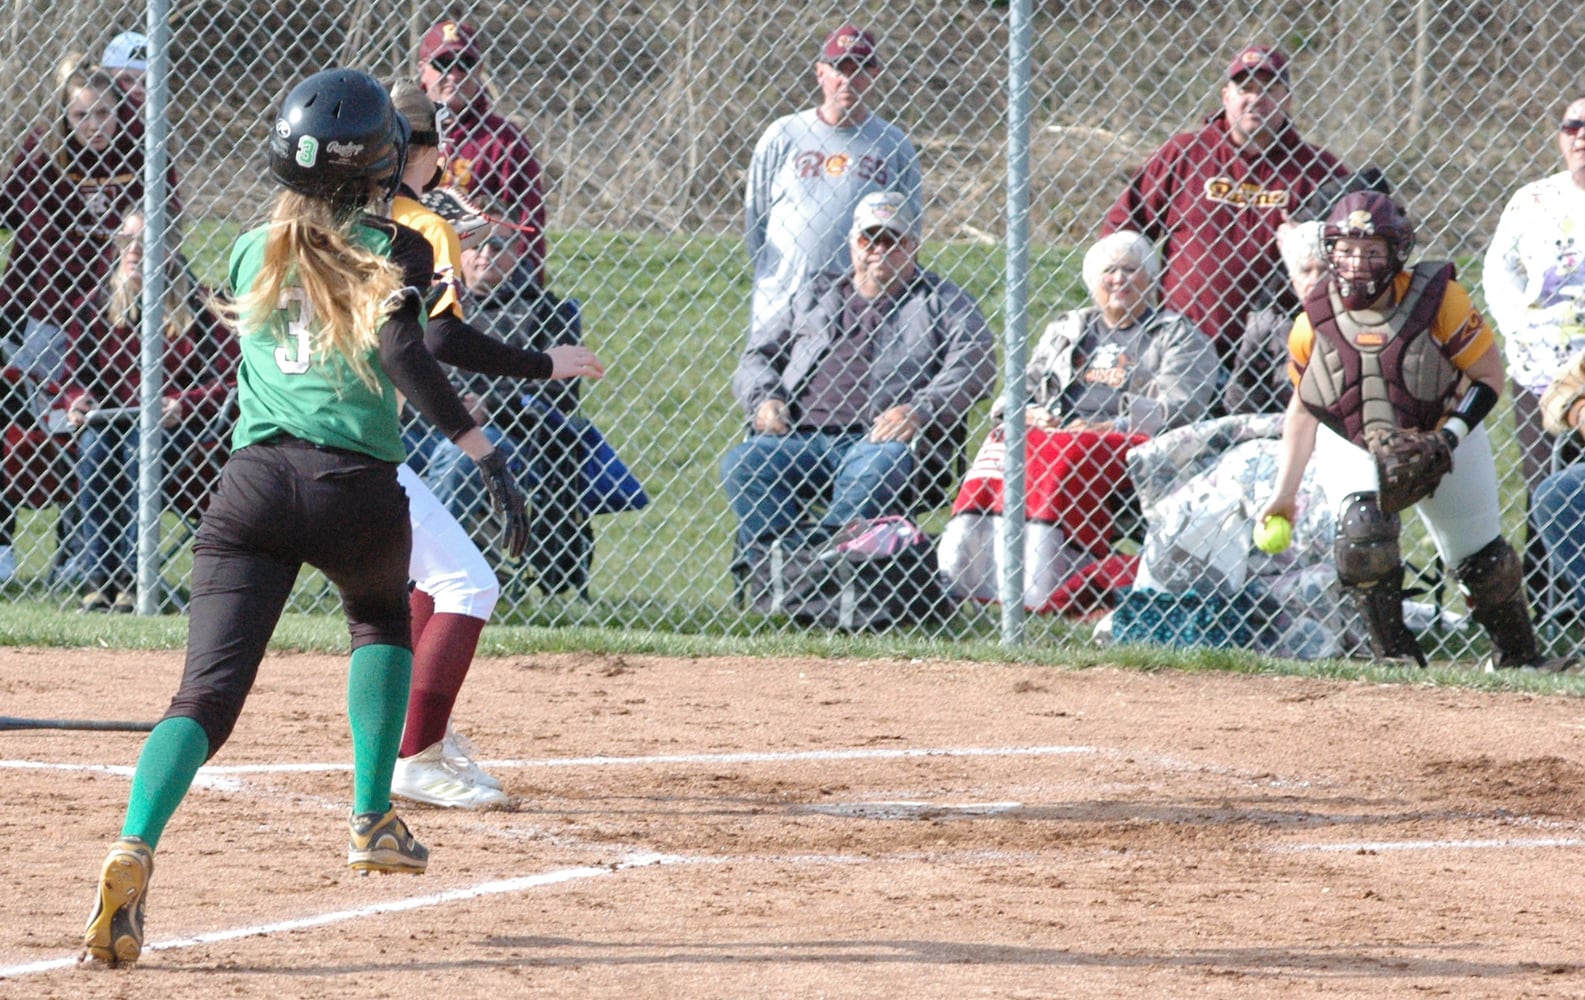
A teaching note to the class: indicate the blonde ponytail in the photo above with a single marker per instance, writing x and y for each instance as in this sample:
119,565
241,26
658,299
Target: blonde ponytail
349,289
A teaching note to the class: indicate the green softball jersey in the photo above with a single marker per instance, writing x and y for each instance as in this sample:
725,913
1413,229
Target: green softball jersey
285,387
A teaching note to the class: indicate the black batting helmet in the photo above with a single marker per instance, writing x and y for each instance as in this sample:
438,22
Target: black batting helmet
335,135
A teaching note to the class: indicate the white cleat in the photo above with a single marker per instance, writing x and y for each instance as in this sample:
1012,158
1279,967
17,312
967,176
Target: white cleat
459,750
432,778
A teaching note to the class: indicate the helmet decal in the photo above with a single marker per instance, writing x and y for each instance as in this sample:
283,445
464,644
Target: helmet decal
337,136
1367,215
344,152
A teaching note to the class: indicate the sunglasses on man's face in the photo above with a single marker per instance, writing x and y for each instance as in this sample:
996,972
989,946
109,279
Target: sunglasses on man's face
1571,126
883,238
462,64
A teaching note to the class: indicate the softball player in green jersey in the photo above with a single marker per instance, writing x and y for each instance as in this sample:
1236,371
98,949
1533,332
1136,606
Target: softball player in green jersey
330,321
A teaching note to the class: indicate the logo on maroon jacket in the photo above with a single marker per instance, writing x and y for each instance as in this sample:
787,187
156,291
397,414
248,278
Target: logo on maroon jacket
1244,194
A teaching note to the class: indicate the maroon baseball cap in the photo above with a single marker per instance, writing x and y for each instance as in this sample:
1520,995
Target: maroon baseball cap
1259,59
849,42
448,38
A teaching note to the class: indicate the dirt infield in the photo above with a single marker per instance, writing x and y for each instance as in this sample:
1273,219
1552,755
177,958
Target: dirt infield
823,828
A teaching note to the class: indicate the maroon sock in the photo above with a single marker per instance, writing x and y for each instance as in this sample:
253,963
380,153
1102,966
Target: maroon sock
419,607
441,657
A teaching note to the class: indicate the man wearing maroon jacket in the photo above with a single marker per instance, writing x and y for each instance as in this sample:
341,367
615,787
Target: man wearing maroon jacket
1213,198
490,159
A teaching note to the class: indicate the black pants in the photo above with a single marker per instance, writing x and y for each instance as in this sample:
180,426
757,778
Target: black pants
280,505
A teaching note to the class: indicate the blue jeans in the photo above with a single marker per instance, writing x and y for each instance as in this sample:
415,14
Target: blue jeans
1558,509
547,468
772,481
449,472
107,499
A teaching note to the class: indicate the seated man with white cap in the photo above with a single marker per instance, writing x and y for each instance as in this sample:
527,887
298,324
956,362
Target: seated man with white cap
861,376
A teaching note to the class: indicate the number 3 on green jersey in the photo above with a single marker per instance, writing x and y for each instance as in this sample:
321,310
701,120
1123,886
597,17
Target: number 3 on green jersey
296,355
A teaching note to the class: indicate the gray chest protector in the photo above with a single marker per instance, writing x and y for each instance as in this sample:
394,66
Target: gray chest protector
1368,369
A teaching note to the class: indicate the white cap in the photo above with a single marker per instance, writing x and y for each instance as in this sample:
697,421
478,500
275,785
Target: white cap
128,50
885,210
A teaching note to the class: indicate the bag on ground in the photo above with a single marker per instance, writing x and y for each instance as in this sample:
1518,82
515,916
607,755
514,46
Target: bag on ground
871,575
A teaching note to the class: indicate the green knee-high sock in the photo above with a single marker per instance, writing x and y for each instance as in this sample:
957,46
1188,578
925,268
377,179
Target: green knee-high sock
377,707
171,756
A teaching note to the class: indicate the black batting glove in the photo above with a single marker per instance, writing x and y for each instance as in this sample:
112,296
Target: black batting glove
507,500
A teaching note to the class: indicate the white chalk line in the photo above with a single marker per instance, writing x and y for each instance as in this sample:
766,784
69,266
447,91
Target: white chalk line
498,887
223,777
216,775
1382,846
698,758
492,888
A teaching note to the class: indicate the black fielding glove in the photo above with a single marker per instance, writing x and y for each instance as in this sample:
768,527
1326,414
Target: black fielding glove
507,500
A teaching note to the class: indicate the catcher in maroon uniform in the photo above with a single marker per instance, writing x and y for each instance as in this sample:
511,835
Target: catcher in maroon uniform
1394,371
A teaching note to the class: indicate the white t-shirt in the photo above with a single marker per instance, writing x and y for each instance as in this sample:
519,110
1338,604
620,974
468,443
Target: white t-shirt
804,181
1534,279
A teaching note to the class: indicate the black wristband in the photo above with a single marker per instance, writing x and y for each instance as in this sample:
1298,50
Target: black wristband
492,463
1471,410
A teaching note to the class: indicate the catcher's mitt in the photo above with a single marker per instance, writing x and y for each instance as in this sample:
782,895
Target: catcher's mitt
1409,464
451,205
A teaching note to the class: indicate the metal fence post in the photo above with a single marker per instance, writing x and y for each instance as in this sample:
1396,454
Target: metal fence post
151,390
1016,332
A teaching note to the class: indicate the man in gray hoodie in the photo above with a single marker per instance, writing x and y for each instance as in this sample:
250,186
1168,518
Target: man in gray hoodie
861,379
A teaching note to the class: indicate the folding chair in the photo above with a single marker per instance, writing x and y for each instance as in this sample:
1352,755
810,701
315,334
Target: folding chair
932,485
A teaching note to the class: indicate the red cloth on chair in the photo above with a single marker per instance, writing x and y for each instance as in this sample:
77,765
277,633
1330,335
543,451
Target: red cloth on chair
1095,587
1069,479
38,467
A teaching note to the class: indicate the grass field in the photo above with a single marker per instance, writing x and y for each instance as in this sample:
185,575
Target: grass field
668,316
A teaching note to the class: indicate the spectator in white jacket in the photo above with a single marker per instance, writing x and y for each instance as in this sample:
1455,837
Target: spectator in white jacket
1534,279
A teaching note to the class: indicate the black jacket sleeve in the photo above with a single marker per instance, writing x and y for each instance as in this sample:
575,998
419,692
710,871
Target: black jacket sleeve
469,348
416,373
410,252
402,352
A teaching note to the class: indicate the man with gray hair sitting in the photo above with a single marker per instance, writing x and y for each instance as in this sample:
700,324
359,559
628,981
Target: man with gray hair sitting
863,375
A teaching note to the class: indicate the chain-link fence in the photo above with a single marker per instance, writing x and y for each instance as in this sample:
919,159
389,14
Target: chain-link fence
643,122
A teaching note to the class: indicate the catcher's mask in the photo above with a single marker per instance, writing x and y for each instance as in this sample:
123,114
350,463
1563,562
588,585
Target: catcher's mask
1367,216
